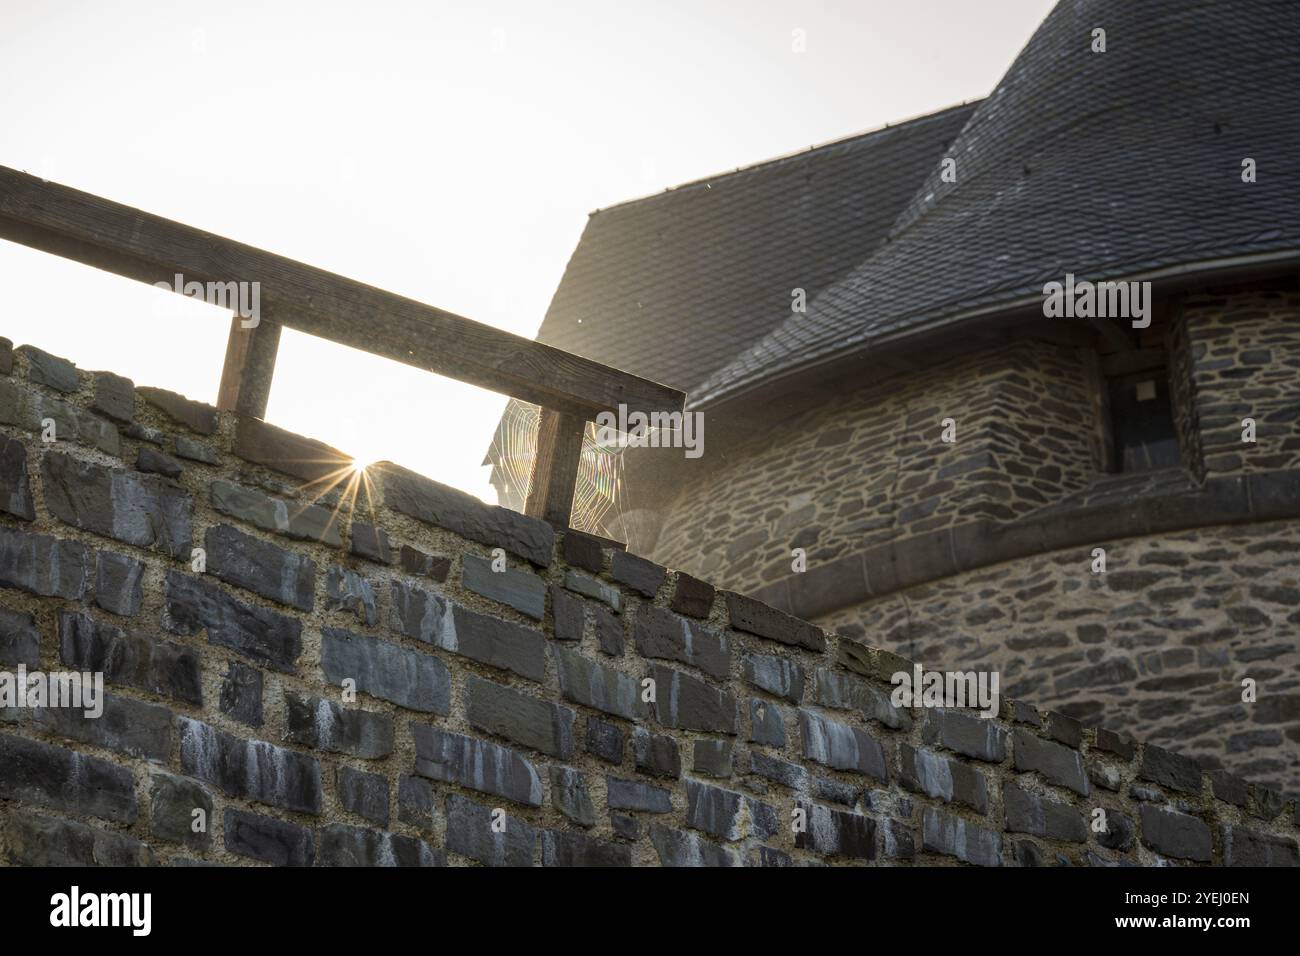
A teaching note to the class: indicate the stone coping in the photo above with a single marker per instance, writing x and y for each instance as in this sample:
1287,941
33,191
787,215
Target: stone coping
897,565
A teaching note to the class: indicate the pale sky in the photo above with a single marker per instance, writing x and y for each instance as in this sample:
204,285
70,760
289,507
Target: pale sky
449,152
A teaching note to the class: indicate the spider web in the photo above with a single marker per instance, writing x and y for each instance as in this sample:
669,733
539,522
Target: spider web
598,494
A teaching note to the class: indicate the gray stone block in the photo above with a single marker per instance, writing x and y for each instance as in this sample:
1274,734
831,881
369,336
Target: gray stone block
428,617
476,764
519,718
172,802
42,565
119,583
343,845
522,590
118,504
61,779
365,794
687,703
387,671
130,658
250,769
268,637
841,746
267,839
325,725
470,833
293,519
127,726
663,635
261,567
594,685
411,494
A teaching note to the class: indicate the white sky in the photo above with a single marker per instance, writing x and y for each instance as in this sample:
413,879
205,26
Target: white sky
449,152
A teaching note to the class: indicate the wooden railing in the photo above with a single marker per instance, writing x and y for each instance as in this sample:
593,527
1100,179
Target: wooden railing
571,390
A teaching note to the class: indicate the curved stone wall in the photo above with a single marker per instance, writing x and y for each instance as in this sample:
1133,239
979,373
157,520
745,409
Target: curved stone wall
344,679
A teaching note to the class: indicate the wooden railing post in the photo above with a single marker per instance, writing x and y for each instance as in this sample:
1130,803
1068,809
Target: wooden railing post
555,467
250,366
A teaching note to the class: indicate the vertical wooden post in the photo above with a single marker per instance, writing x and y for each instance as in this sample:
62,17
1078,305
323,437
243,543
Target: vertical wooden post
555,467
250,365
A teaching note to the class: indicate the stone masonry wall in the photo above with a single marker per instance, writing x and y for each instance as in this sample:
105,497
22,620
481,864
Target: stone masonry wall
499,717
1245,352
869,467
1159,644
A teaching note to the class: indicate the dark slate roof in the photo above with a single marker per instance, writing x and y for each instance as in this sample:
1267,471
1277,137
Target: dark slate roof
1107,165
672,286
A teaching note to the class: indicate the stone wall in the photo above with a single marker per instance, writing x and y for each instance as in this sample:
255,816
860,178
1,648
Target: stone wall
890,516
870,467
1159,644
581,707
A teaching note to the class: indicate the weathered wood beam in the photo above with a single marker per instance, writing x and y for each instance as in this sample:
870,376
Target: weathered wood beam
249,367
555,467
141,246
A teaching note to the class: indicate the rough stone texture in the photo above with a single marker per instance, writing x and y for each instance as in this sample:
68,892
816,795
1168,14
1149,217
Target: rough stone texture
841,746
953,836
387,671
521,590
130,658
1176,834
241,694
119,583
519,718
324,725
665,636
687,703
118,504
343,845
1029,812
923,771
46,369
776,675
30,410
114,397
424,616
48,776
305,522
566,848
585,682
268,637
41,841
193,415
15,483
470,833
156,463
371,543
261,567
268,840
42,565
435,504
830,832
571,796
476,764
365,794
129,727
250,769
173,801
20,640
348,591
547,736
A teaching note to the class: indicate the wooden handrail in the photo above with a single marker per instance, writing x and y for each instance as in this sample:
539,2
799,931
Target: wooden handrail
138,245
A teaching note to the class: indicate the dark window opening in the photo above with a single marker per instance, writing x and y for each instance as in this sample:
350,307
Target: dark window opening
1143,434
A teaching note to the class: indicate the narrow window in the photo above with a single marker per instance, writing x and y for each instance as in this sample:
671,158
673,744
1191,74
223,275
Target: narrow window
1142,429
